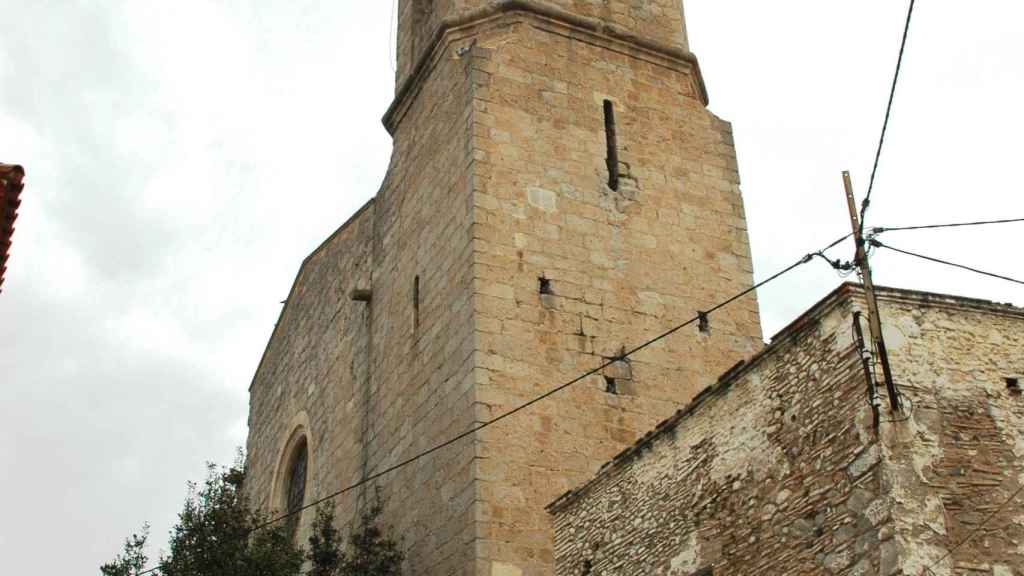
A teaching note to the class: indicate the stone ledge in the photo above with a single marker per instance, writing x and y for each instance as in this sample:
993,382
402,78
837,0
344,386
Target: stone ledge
593,26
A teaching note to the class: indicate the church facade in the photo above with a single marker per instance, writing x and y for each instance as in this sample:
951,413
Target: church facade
558,192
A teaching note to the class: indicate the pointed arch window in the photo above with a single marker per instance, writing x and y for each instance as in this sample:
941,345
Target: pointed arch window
295,492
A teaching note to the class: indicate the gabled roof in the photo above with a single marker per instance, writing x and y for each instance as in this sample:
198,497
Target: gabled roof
10,191
302,268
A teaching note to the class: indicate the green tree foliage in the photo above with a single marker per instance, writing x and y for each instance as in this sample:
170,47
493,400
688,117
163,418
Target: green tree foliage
133,560
219,534
216,536
324,553
371,550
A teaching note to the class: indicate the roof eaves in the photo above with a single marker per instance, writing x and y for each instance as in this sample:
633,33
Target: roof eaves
844,291
11,185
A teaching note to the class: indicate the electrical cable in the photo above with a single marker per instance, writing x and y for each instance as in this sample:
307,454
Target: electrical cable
834,244
480,426
881,229
888,112
875,242
976,529
843,268
533,401
910,411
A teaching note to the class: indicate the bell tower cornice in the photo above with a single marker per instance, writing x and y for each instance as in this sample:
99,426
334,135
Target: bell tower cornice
422,23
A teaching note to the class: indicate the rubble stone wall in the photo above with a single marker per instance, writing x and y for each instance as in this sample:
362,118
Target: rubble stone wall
771,471
808,487
954,465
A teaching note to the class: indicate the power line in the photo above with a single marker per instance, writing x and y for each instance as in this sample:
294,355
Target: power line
879,230
480,426
976,529
832,245
888,112
875,242
535,400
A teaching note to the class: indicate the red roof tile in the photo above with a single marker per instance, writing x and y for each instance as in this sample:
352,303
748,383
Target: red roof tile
10,191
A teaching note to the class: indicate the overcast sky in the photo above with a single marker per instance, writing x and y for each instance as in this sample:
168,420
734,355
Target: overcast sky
183,157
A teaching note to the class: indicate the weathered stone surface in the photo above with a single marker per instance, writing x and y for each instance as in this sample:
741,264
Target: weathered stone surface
651,21
863,462
957,461
818,492
499,178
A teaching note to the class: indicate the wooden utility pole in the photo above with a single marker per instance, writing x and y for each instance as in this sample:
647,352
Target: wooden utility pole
874,319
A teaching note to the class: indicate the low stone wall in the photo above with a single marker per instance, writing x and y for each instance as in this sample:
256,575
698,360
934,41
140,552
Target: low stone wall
778,470
770,471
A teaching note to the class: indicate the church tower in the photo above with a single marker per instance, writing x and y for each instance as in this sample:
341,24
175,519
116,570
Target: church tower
558,193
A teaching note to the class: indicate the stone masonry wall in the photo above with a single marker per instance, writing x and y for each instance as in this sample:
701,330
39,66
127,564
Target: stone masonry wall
375,383
659,21
772,471
499,179
620,266
312,377
810,489
422,375
955,463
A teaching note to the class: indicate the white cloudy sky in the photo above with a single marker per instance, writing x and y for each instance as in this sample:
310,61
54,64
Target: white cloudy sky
183,157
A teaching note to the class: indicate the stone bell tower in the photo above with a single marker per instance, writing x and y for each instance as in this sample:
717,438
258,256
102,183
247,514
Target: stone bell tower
558,193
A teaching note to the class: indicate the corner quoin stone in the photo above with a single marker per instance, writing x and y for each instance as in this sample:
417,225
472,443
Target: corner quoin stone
499,177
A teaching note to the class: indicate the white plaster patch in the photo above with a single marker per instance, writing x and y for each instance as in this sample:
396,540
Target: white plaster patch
926,449
919,555
546,200
864,462
895,338
844,339
934,514
686,561
755,380
839,324
652,471
745,445
1008,423
908,324
831,323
